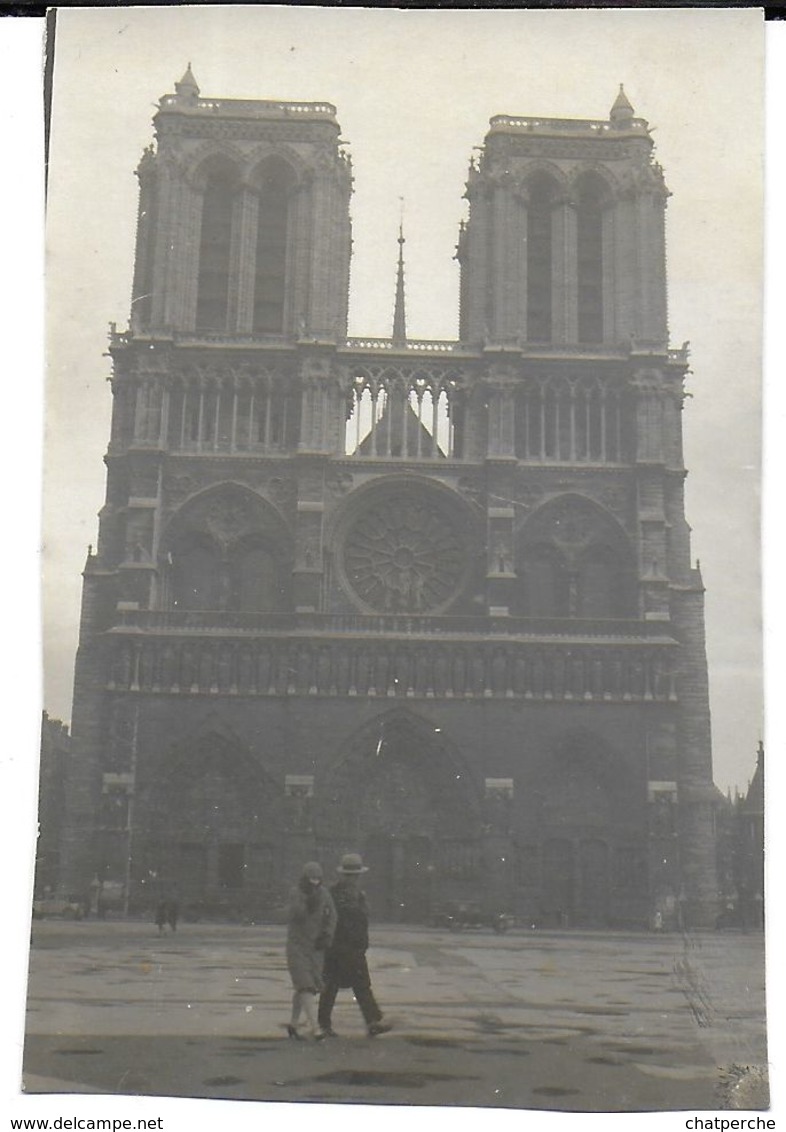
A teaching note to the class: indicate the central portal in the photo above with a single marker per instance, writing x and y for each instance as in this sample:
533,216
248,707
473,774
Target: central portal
403,800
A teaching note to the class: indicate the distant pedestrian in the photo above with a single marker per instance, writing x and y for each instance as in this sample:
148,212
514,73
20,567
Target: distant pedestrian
172,912
167,910
95,893
345,959
161,911
311,921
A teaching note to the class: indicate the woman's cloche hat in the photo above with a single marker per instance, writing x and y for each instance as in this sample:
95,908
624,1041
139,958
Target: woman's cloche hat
352,864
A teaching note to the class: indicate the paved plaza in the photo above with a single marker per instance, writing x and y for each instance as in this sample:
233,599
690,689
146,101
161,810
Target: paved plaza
570,1021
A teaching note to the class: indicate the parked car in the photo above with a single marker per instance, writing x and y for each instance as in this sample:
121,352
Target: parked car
457,915
65,909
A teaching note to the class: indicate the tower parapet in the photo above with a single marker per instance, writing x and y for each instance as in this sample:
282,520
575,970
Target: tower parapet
565,240
243,220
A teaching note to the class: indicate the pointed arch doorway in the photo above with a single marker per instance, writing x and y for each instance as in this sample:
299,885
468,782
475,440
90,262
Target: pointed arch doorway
402,796
213,829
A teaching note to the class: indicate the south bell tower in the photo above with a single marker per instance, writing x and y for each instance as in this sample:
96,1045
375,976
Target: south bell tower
431,601
243,220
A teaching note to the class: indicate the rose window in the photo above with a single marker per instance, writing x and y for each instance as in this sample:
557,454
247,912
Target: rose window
405,554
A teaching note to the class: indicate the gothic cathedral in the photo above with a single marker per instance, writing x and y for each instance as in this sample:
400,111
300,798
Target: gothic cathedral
431,601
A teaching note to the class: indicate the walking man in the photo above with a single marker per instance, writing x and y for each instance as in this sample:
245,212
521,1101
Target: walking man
345,959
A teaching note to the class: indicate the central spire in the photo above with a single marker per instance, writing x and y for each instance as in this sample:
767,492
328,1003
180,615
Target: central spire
399,314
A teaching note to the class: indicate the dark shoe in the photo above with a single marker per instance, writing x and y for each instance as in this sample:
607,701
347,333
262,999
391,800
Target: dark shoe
292,1032
326,1032
381,1027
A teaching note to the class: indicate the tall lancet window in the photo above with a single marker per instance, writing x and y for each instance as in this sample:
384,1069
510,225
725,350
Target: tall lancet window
539,260
214,251
590,261
270,273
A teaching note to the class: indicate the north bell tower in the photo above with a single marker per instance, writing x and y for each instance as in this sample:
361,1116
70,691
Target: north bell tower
565,241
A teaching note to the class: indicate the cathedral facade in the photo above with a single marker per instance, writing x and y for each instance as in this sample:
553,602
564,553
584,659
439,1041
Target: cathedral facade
431,601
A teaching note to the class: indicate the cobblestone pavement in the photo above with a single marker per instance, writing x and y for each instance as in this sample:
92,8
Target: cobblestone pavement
570,1021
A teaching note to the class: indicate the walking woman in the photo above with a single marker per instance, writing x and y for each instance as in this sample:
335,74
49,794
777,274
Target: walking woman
311,922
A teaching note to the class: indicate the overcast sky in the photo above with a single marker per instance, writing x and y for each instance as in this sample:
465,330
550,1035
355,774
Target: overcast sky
414,92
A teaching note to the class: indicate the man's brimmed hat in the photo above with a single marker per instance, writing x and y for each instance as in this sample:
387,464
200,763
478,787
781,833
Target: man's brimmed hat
352,864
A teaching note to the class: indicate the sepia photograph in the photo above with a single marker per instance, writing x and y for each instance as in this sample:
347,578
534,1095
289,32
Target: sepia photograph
403,736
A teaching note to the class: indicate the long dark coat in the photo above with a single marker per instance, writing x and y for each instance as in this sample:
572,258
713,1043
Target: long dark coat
311,921
345,959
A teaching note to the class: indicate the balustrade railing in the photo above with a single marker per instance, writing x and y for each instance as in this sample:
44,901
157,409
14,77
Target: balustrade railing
369,344
413,345
598,351
591,126
230,622
393,669
253,108
230,338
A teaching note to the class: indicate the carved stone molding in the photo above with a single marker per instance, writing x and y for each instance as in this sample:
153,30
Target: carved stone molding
529,495
394,669
338,482
473,489
282,491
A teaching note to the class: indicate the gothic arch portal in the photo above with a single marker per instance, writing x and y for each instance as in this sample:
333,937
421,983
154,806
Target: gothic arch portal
402,795
213,825
590,844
